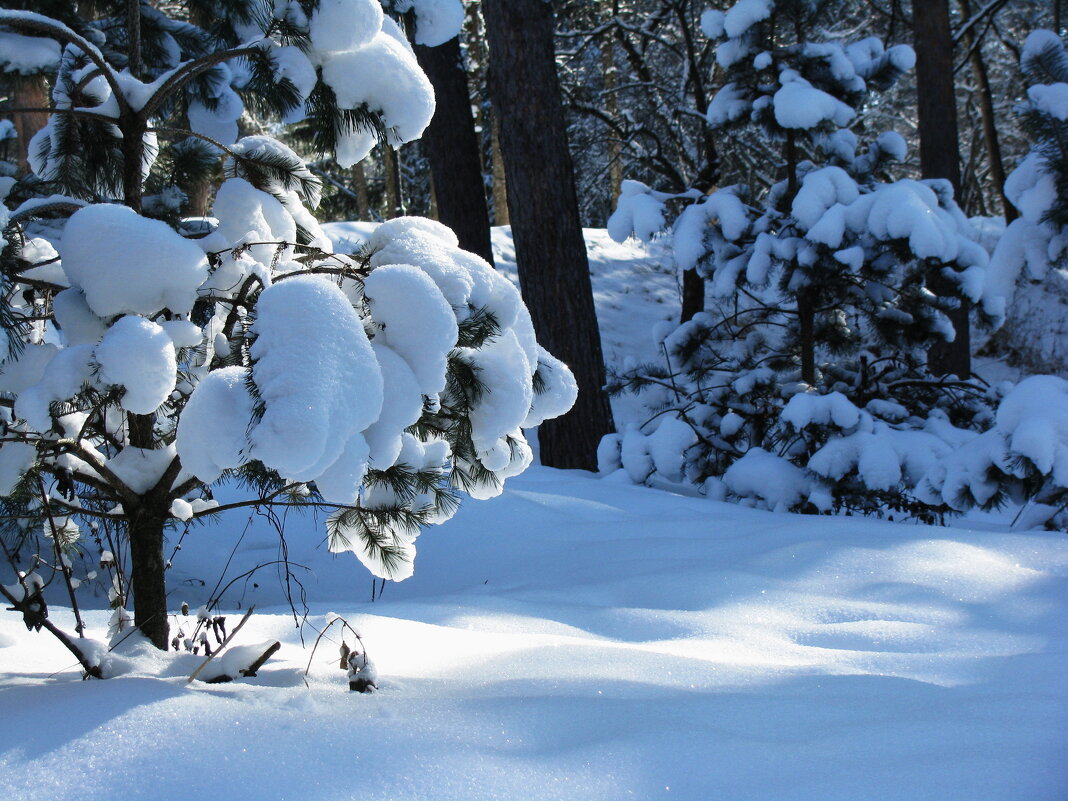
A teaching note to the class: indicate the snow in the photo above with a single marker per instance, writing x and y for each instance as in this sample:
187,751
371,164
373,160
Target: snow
128,264
1050,99
798,104
391,83
28,55
585,637
436,21
772,480
212,431
808,408
62,377
138,355
140,469
638,212
744,14
339,25
15,459
417,322
316,375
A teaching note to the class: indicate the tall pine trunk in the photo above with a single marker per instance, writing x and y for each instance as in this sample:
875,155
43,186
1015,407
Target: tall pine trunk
553,269
939,155
986,110
452,147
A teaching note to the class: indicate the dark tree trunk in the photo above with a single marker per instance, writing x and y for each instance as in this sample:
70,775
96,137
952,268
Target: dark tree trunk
452,147
939,155
693,294
806,333
148,574
551,253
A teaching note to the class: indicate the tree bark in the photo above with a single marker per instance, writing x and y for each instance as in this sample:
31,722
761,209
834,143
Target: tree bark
551,253
939,154
500,182
452,147
148,574
28,91
693,295
986,110
394,198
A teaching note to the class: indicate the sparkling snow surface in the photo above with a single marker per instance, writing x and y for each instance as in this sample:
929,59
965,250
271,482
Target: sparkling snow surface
586,639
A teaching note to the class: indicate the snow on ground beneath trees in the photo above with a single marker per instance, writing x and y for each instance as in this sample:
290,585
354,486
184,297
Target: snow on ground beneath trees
591,640
583,638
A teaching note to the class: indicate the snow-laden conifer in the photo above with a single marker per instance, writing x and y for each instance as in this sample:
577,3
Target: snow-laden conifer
820,288
150,359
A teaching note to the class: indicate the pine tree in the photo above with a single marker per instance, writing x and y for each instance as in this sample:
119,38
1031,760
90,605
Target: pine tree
150,357
811,361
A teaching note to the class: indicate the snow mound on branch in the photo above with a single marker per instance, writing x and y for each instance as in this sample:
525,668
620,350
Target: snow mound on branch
77,323
137,354
339,25
211,433
62,378
808,408
417,322
390,82
402,405
798,104
768,480
557,392
140,469
743,15
638,212
1034,420
129,264
28,55
316,374
436,21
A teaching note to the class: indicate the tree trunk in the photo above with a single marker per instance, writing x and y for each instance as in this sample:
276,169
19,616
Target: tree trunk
394,199
551,253
693,294
500,183
452,147
806,315
363,197
28,91
986,110
939,156
148,574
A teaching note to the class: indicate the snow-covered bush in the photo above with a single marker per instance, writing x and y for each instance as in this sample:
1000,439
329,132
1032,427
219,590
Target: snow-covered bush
813,348
145,366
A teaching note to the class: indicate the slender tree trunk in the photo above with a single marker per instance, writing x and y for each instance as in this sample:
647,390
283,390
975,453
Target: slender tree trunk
939,154
363,197
611,107
28,91
500,182
452,147
148,574
806,315
394,199
986,110
551,253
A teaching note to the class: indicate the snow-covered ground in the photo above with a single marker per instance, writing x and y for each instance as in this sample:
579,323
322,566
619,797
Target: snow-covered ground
582,638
